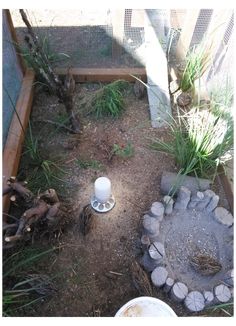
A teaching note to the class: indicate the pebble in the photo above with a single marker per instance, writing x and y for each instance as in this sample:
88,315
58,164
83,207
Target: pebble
223,216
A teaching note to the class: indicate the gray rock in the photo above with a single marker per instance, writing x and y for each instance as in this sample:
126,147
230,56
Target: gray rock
223,216
213,203
179,292
195,199
168,204
157,211
229,278
222,293
156,251
209,297
147,262
183,198
159,276
151,224
208,194
194,301
169,179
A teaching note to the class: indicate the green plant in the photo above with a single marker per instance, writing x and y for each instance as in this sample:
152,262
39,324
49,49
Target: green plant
89,164
124,151
44,172
200,139
227,308
108,101
21,288
197,62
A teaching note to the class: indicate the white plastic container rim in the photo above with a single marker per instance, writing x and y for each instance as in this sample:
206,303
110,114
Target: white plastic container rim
145,307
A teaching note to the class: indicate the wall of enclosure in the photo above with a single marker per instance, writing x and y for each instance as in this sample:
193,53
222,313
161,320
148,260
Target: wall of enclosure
12,76
188,28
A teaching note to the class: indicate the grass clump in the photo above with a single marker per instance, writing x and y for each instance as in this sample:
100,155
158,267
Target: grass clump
200,140
197,62
23,286
41,172
109,100
124,151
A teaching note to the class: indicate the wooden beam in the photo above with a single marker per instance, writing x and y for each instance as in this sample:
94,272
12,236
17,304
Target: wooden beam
15,40
186,33
104,74
15,138
118,20
227,187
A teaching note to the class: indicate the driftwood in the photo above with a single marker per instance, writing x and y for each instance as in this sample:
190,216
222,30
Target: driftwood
64,91
43,209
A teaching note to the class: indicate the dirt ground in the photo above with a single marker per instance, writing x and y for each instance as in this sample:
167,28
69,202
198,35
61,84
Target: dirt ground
92,273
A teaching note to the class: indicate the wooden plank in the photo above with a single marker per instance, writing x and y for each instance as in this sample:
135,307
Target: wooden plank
227,188
15,138
118,19
187,33
103,74
15,40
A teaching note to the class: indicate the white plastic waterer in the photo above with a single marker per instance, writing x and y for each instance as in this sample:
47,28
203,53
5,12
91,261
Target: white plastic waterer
102,200
145,307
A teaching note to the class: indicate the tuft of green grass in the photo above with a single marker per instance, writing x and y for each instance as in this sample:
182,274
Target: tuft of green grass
109,100
198,60
42,172
124,151
22,289
200,141
89,164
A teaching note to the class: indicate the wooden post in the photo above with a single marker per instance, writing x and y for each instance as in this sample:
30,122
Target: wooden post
187,33
118,19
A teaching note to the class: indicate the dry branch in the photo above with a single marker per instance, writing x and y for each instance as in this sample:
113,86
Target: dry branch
65,92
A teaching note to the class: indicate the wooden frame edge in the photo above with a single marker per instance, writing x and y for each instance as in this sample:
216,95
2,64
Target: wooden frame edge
227,187
15,138
103,74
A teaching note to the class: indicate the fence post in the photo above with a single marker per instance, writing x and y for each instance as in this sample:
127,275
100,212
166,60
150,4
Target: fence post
118,18
187,33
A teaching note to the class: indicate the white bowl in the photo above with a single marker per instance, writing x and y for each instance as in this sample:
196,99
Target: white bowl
145,307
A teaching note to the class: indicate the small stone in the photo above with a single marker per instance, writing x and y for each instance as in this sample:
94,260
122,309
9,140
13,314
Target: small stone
183,198
156,251
168,204
157,210
213,203
229,278
145,242
222,293
209,297
159,276
194,301
179,292
147,262
151,224
195,199
223,216
208,194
